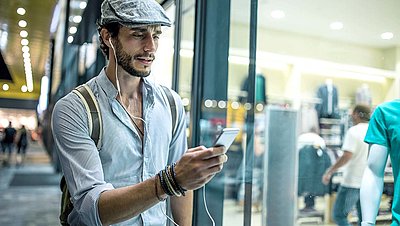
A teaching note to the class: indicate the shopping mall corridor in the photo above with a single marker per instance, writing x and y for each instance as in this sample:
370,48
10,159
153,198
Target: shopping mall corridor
29,193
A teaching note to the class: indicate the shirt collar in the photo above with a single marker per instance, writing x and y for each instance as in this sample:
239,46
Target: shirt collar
112,92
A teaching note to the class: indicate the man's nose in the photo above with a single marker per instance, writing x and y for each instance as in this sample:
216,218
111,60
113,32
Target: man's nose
150,44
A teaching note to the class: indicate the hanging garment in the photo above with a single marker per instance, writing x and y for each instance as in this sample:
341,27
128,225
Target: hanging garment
313,162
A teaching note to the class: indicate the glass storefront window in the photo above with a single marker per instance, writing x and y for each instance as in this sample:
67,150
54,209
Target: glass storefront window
302,48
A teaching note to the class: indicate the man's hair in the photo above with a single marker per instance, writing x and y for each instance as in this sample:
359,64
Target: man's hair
113,29
363,111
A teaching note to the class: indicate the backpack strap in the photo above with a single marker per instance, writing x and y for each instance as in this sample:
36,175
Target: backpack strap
93,111
96,132
172,106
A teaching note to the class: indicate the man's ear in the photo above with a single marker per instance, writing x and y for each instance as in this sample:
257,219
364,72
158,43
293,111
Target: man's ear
105,35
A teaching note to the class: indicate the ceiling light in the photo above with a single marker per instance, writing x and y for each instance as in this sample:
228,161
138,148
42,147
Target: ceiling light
22,23
387,35
77,19
26,55
24,42
73,30
277,14
70,39
25,49
336,25
23,34
24,88
82,5
5,87
21,11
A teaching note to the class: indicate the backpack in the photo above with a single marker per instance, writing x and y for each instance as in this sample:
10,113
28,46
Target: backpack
96,131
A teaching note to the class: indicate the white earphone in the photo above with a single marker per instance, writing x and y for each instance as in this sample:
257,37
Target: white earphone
116,68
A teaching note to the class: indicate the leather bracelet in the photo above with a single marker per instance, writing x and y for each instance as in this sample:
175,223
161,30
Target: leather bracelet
169,184
163,184
173,187
173,174
155,185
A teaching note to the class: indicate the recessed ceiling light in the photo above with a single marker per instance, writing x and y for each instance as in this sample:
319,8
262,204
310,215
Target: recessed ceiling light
387,35
6,87
22,23
73,30
24,88
24,42
278,14
336,25
70,39
77,19
23,34
82,5
26,55
21,11
25,49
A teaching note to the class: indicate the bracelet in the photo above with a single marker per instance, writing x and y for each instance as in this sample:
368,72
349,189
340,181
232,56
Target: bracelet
163,184
180,189
168,182
155,185
172,184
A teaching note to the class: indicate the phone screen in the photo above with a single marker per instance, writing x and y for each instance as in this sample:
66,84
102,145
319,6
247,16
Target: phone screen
226,137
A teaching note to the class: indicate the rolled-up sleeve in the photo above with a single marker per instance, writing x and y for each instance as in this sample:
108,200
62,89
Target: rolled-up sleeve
79,160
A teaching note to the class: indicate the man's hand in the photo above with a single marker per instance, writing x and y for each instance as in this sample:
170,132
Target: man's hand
199,165
326,177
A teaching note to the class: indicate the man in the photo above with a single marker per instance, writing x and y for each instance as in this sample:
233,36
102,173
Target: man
123,182
354,159
8,141
383,139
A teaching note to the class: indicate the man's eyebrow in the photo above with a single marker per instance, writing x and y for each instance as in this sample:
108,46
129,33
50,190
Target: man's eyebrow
143,29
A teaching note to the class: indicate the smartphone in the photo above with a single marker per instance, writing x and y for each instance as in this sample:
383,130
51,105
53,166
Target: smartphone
226,137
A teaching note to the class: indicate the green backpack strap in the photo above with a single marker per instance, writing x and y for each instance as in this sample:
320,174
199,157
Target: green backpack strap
172,106
96,132
94,116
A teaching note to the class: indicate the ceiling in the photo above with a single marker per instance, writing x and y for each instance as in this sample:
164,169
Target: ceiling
363,20
38,17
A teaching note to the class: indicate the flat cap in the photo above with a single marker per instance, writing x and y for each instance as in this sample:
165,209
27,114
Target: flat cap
133,13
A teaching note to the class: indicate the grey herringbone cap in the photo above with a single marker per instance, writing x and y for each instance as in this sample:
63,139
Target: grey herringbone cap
133,13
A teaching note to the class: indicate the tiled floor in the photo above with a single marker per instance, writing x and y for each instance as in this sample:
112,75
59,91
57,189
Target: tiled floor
29,205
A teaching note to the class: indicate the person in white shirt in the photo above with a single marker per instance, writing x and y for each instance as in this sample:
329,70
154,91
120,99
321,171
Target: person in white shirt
354,160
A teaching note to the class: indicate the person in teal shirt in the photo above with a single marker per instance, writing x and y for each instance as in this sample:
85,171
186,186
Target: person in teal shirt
383,138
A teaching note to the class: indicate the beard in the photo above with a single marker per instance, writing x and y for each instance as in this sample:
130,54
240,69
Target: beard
125,60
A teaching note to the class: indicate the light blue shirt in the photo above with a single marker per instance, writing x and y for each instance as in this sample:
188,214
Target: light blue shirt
122,159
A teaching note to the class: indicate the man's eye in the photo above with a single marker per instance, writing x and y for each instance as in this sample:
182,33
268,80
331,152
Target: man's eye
156,37
138,35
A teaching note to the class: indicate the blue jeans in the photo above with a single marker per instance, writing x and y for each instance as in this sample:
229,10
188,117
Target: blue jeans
9,147
346,200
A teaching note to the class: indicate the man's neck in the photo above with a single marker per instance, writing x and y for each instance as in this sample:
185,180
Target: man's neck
130,86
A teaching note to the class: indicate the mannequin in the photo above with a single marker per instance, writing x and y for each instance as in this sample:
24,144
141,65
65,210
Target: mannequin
382,136
328,108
